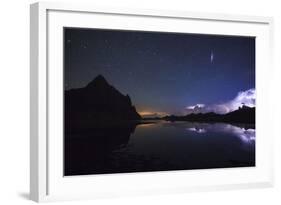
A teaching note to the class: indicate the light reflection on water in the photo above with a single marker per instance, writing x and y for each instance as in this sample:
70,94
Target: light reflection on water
198,130
246,135
160,146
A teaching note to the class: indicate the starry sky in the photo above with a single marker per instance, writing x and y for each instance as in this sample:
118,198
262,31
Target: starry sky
162,72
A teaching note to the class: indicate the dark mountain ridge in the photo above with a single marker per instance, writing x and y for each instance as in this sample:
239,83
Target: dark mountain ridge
98,102
243,115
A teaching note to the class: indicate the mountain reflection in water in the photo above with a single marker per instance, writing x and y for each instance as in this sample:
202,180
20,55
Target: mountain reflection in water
158,146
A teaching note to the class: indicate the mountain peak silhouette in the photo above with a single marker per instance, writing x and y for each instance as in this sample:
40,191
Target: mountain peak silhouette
98,102
98,81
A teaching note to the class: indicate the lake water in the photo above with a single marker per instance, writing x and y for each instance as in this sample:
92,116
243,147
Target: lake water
159,146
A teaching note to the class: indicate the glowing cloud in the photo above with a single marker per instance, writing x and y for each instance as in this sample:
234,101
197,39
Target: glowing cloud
247,98
194,106
198,108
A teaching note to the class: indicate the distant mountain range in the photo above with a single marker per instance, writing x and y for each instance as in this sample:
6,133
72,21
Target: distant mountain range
98,102
243,115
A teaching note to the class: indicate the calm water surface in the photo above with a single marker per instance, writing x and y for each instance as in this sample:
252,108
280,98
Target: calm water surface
159,146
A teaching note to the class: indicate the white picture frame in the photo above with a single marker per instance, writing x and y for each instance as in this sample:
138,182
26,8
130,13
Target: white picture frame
46,180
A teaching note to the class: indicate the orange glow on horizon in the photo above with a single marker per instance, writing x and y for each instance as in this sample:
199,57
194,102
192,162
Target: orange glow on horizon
147,113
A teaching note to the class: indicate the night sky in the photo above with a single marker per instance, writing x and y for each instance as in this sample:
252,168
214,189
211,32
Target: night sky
161,72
